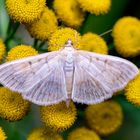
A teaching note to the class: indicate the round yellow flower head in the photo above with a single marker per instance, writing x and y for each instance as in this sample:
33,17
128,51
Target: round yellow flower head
126,33
45,26
105,118
69,12
95,6
12,105
93,42
83,134
43,134
2,134
58,117
61,36
132,91
2,49
21,51
25,11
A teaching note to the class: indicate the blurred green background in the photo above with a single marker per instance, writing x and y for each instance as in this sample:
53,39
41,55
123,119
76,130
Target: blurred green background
130,129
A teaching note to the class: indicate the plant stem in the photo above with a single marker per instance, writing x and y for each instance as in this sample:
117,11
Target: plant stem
105,33
35,43
9,27
12,34
41,44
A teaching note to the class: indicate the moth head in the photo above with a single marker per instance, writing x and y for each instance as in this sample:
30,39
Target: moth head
69,43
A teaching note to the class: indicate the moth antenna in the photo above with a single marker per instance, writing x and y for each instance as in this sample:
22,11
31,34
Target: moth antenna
107,32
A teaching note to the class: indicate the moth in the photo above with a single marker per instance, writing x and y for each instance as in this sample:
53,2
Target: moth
85,77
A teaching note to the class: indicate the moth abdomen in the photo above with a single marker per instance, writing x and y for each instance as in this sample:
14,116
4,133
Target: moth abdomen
69,74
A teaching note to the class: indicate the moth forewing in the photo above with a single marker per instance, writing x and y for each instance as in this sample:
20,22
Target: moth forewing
20,75
98,76
51,89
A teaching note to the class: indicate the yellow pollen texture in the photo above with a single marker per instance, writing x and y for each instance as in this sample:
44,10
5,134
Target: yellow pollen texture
126,34
25,11
59,117
69,12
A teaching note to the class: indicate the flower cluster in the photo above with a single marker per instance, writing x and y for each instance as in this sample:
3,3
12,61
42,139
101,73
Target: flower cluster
132,91
59,117
104,118
61,36
69,12
2,134
25,11
95,6
126,33
44,26
41,21
43,134
2,49
12,105
89,41
83,133
94,43
21,51
51,25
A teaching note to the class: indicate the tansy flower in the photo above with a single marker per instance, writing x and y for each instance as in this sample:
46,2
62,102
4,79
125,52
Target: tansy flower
59,117
21,51
25,11
61,36
95,6
45,26
69,12
93,42
12,105
126,33
105,118
2,134
43,134
132,91
83,134
2,49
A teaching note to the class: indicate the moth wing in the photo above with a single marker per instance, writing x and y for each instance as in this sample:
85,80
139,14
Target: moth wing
51,89
21,75
98,76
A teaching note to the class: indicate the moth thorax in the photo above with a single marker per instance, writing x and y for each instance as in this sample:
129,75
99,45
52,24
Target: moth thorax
69,58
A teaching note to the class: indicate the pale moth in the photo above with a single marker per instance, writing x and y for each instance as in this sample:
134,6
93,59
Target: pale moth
85,77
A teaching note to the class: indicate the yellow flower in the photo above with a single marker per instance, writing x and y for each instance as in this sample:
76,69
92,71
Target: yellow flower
105,118
132,91
95,6
83,134
2,134
2,49
126,33
43,134
25,11
93,42
69,12
21,51
12,105
59,117
45,26
61,36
